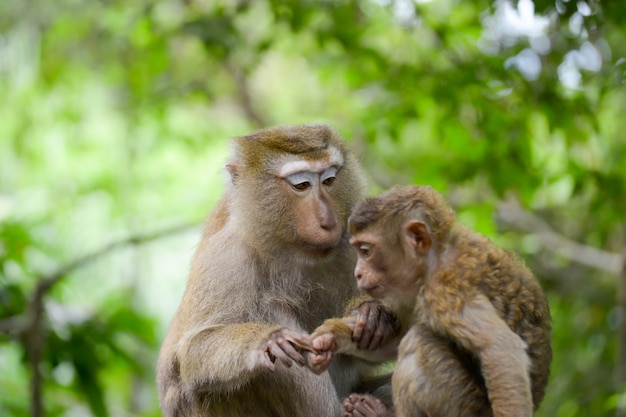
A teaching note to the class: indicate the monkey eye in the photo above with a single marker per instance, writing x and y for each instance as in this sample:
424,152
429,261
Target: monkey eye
300,181
364,250
328,177
301,186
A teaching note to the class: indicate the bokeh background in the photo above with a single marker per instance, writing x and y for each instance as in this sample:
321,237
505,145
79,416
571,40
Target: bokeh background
114,124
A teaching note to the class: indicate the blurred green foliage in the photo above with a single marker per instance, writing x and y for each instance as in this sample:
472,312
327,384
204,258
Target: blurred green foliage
114,123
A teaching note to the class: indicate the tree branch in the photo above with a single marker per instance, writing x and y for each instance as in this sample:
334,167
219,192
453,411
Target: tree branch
243,94
46,282
512,215
28,326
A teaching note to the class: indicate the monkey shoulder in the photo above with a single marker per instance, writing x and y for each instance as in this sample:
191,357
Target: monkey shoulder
478,262
223,268
493,275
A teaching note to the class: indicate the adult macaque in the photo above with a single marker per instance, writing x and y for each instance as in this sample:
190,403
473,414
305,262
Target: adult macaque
478,324
274,261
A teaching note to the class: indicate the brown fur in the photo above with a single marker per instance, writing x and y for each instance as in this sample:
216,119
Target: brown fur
478,324
250,280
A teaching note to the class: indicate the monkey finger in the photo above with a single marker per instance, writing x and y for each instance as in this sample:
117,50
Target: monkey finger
372,330
377,340
348,404
324,342
276,351
349,400
268,360
280,354
362,409
386,337
300,340
377,324
347,408
361,321
326,356
387,326
368,332
288,350
367,406
319,363
301,344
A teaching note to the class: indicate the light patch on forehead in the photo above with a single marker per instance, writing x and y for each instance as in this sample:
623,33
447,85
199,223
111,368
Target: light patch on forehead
290,167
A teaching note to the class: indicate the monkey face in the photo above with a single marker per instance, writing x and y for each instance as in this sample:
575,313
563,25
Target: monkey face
292,190
371,271
311,188
385,266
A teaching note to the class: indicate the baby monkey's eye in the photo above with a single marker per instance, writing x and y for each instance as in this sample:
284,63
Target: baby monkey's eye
329,181
365,250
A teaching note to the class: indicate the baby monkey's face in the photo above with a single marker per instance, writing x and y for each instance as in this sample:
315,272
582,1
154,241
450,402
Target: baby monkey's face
384,265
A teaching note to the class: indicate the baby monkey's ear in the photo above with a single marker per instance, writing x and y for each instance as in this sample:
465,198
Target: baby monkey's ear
418,236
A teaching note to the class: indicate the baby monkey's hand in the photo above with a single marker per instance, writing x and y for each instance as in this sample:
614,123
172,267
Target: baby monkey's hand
334,335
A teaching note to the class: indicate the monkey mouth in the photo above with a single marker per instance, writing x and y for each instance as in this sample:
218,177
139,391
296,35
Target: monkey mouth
318,250
375,291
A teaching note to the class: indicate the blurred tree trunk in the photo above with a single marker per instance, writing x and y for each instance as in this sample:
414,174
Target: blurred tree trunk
620,377
33,344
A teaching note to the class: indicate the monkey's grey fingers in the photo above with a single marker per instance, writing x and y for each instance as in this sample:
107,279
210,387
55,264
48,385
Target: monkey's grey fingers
377,339
361,322
374,329
349,400
268,360
386,337
347,404
347,408
371,323
279,354
378,326
363,409
275,349
387,326
288,350
320,363
366,406
301,343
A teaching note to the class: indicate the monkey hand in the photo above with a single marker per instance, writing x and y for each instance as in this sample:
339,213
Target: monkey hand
332,335
375,325
286,346
336,336
318,362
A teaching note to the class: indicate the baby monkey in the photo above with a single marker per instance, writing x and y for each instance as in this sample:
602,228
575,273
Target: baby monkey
475,324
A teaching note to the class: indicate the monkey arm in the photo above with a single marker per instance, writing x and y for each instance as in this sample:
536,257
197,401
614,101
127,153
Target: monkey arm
221,358
224,358
502,354
368,331
375,324
336,335
218,340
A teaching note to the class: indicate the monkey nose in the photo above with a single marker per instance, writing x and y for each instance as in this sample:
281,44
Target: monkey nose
328,222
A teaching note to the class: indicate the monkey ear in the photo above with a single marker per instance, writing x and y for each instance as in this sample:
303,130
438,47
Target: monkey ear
419,237
233,170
